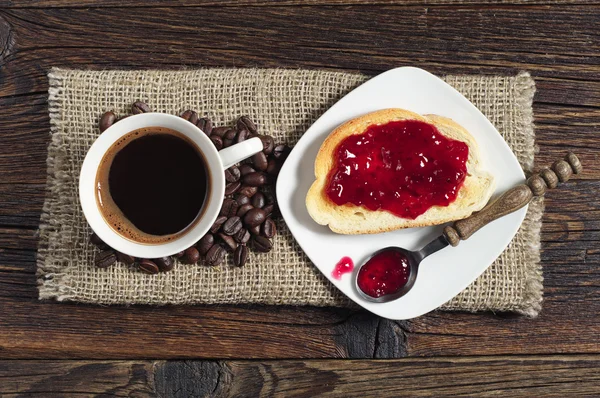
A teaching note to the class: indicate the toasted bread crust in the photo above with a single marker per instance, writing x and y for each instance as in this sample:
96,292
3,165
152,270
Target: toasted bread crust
350,219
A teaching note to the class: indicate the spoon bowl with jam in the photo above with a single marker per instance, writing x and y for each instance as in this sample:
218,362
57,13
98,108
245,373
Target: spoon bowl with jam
391,272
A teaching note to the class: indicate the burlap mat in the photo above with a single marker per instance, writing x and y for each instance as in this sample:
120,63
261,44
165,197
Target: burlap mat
284,103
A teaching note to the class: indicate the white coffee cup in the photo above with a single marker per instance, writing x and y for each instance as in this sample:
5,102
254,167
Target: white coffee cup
216,162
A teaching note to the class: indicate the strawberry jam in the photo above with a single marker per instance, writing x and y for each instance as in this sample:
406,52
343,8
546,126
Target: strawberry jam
344,266
403,167
385,273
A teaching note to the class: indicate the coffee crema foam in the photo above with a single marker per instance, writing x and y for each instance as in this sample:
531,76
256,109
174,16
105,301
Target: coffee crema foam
118,219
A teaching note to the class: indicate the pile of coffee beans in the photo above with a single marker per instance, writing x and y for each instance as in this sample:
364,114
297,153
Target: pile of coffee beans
246,217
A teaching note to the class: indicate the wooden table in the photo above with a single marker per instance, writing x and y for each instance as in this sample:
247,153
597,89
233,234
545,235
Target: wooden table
77,349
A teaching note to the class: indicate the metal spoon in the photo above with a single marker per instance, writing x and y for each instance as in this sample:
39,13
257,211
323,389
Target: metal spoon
511,201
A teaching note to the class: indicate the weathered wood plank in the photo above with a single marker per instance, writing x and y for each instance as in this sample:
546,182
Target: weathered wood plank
21,204
18,238
557,41
266,3
568,323
76,378
552,376
16,260
33,329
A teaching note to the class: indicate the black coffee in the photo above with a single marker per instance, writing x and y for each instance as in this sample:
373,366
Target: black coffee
152,185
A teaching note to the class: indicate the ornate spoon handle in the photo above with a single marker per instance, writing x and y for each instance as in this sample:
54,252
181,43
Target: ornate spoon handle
515,198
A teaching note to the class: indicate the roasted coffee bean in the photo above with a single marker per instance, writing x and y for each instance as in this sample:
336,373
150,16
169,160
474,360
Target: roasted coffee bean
193,118
242,199
246,169
232,187
205,244
179,255
269,229
105,258
217,141
268,144
240,256
232,174
259,160
217,224
230,134
232,225
258,200
219,131
139,107
254,217
256,179
227,143
242,236
248,123
229,208
240,125
205,124
262,244
243,209
190,116
96,241
228,242
281,152
273,167
148,266
107,120
165,264
191,255
125,258
268,209
241,136
248,191
255,230
215,255
269,197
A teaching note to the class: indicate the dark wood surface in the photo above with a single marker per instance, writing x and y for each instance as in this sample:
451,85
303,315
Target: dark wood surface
557,353
551,376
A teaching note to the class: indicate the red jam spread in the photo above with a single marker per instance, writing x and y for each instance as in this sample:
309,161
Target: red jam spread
344,266
385,273
403,167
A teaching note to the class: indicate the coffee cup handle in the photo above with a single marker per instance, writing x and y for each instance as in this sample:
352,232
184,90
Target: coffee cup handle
238,152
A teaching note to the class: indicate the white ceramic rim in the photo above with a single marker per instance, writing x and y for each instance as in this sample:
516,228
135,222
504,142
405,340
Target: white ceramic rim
215,161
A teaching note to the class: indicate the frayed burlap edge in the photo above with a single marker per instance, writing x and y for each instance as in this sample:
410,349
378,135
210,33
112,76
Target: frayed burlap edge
51,281
534,288
531,291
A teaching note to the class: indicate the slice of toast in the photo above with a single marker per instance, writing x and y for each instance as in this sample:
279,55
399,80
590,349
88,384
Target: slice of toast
474,194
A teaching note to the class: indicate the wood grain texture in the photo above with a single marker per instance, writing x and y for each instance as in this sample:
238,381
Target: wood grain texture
558,42
76,378
49,330
552,376
267,3
559,45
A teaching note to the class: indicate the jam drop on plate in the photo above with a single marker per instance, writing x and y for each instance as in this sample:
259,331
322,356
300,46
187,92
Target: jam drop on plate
403,167
385,273
344,266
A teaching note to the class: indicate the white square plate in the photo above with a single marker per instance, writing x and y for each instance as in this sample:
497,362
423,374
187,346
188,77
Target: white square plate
442,275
